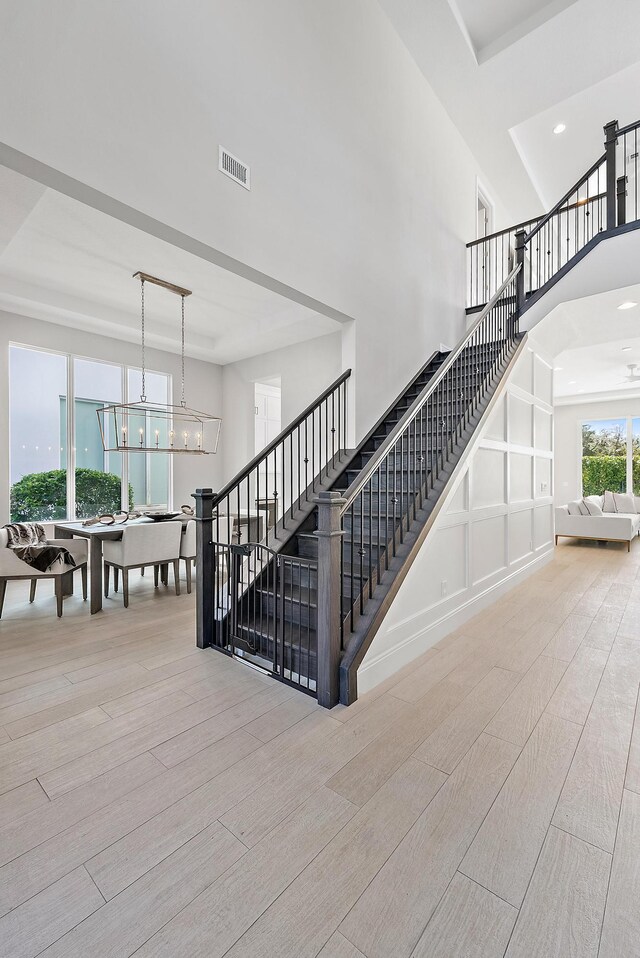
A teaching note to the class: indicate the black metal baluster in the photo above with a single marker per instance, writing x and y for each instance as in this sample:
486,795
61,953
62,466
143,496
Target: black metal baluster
394,500
306,461
326,436
342,587
283,487
370,539
333,432
379,517
313,449
352,566
361,551
299,479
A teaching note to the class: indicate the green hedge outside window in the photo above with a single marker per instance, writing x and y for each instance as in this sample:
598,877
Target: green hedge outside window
42,496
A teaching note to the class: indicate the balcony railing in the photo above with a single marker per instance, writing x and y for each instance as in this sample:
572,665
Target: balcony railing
606,197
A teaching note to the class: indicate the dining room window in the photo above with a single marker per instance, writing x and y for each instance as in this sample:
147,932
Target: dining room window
54,396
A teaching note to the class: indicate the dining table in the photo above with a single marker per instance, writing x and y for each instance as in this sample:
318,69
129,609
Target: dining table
249,528
96,535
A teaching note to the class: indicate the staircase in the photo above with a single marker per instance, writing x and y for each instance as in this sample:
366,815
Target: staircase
300,556
304,598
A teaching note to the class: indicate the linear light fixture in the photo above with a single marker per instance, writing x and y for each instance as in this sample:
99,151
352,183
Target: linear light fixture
158,427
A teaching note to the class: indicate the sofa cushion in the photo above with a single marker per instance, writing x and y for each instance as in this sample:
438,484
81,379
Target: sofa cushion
624,503
593,508
574,508
609,504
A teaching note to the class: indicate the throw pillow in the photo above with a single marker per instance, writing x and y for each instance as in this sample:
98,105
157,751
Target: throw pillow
574,508
624,503
609,503
593,508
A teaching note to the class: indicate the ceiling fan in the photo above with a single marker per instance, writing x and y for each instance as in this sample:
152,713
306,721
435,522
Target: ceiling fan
632,376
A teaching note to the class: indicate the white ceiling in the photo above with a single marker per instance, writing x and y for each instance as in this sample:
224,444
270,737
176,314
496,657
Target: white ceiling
61,260
491,25
591,342
507,71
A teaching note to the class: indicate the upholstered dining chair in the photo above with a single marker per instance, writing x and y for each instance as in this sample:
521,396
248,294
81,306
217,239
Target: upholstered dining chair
148,544
222,533
13,568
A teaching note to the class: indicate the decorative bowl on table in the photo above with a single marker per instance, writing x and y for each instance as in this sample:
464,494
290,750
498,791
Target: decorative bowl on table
162,516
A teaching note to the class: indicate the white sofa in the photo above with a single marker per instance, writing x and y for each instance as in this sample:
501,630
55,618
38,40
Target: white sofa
609,526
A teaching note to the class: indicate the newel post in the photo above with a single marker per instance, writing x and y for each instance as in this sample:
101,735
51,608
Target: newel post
622,200
520,250
329,534
204,567
610,141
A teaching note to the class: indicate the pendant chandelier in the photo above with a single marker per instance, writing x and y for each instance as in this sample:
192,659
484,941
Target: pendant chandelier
148,426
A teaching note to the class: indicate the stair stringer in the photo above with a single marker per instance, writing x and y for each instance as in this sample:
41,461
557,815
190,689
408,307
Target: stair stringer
391,580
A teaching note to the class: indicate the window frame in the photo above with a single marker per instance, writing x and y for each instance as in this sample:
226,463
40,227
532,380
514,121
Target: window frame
629,449
70,464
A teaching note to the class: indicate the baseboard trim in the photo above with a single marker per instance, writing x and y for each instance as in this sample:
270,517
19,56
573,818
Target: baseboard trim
392,660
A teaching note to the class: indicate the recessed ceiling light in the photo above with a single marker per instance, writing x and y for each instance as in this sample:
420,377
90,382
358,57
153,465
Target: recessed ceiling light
559,128
572,382
558,369
627,305
626,349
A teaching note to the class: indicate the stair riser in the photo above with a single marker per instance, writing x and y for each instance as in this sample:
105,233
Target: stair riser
298,613
300,576
406,461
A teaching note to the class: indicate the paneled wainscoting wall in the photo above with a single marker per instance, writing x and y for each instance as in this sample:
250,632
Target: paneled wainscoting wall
494,528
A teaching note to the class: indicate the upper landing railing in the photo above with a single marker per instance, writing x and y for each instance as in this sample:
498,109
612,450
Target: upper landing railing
604,198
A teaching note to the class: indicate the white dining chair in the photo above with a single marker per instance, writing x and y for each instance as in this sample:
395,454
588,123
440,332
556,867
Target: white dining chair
13,568
147,544
188,549
222,533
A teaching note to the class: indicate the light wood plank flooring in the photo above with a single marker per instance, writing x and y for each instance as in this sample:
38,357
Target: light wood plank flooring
160,801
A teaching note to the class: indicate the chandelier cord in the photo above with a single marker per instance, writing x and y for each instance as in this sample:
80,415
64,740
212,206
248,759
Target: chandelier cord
182,401
143,396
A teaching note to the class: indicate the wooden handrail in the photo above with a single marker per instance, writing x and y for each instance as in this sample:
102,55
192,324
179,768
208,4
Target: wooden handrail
361,480
583,179
509,229
628,129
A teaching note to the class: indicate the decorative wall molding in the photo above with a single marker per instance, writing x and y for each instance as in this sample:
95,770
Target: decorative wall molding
495,527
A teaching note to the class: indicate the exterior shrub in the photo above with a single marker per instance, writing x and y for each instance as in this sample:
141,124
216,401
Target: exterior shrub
42,496
606,472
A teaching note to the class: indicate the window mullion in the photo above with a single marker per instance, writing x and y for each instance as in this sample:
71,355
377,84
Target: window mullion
71,440
629,455
124,489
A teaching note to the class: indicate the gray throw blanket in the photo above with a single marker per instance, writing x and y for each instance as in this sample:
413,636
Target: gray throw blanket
29,542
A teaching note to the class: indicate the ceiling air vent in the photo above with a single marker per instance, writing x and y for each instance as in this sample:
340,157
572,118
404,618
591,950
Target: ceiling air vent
231,166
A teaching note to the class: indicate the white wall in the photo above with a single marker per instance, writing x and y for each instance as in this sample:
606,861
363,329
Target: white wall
496,522
203,391
363,191
305,370
568,439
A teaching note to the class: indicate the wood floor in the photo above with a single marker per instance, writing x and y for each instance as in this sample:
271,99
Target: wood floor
165,802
